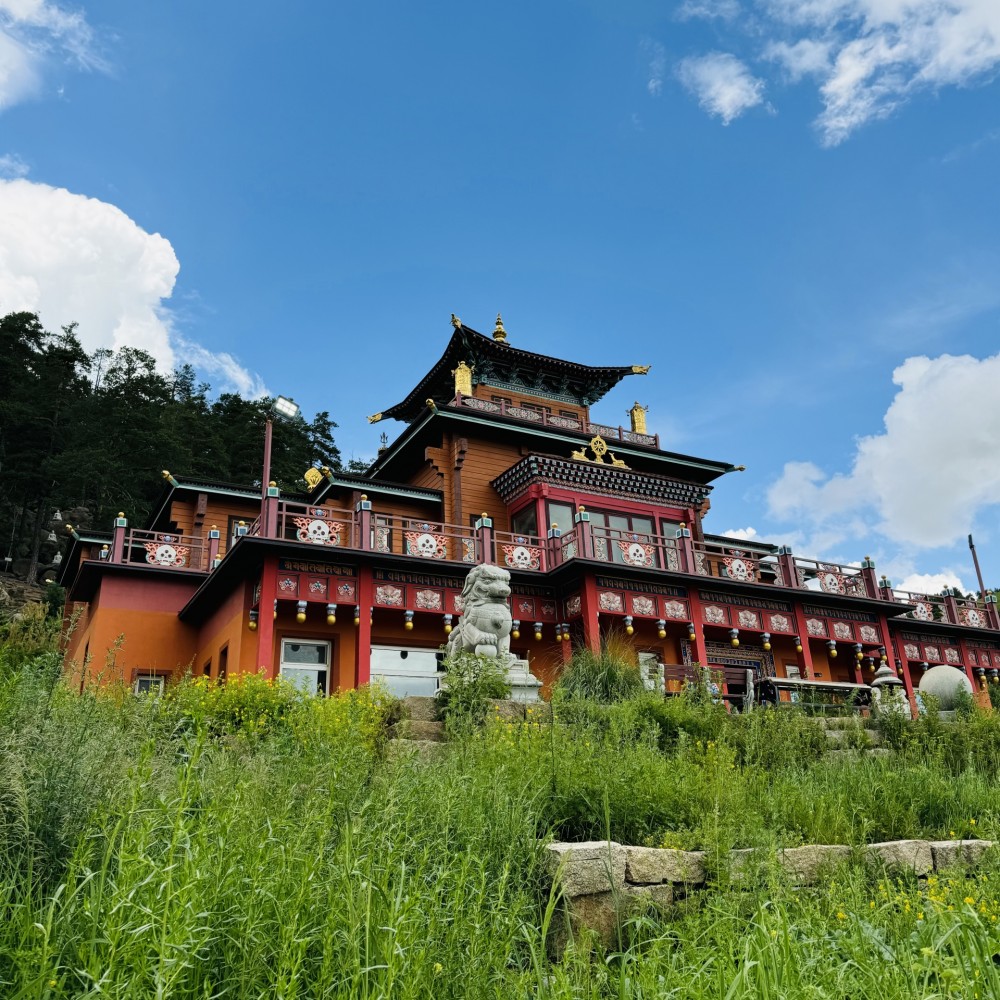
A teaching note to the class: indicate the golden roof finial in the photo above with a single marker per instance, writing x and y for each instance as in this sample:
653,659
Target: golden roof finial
499,333
313,478
463,378
455,321
638,417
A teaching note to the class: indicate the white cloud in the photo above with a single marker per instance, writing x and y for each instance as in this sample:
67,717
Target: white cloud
33,33
76,259
726,10
870,56
930,583
11,165
723,85
925,479
656,65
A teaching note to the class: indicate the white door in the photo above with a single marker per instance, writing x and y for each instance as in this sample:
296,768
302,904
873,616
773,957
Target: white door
406,672
306,664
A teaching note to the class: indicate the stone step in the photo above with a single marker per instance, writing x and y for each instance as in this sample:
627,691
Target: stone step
419,729
420,709
838,737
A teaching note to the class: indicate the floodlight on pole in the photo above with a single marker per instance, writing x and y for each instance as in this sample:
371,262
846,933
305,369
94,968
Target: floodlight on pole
285,409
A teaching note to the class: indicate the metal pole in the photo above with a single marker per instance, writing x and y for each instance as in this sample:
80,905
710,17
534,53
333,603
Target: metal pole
267,460
979,574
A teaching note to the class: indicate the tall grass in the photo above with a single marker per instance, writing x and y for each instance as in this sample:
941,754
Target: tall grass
250,841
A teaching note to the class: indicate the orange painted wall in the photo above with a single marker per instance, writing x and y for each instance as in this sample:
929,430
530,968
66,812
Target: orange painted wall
135,628
229,625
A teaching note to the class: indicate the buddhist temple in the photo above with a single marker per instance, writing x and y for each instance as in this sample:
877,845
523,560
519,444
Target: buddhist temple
359,577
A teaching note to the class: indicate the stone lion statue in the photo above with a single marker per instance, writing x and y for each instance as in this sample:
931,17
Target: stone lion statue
485,623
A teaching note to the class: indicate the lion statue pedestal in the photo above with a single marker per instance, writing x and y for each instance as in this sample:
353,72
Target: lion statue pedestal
485,625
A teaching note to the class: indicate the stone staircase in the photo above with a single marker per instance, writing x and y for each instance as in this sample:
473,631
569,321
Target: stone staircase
418,729
843,735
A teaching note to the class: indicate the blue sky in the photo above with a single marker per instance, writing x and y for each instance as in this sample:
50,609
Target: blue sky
788,207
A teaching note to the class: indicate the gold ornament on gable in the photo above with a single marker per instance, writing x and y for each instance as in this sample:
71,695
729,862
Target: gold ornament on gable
599,449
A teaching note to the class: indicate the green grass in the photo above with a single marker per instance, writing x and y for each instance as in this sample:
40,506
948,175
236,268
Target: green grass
252,842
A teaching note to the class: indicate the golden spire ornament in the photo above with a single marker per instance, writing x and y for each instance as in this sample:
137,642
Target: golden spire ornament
499,333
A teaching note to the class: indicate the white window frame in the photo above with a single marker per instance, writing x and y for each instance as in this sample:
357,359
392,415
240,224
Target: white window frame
154,685
284,667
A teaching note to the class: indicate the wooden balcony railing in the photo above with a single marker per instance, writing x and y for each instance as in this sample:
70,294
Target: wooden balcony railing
166,550
545,419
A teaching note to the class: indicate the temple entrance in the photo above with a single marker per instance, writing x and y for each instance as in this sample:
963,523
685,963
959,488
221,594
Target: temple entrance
305,663
406,671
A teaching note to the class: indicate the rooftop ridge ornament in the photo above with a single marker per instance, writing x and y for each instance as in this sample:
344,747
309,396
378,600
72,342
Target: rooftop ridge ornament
463,378
641,369
313,477
638,416
599,447
499,333
455,321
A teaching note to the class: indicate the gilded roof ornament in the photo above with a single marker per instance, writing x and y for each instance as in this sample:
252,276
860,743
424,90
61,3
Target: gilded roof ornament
375,418
455,321
463,378
499,333
638,417
641,369
599,448
313,477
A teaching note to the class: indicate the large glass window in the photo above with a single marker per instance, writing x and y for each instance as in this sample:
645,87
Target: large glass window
560,514
406,672
525,522
306,664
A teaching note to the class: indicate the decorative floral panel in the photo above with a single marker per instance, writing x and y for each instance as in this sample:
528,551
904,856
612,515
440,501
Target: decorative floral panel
522,556
911,651
457,603
568,422
391,597
932,652
779,623
951,655
671,557
601,548
740,568
749,619
643,606
166,553
574,606
830,581
815,626
841,630
428,600
973,617
382,537
316,529
525,607
714,614
317,588
608,600
426,544
701,564
855,586
868,633
288,585
637,553
548,610
468,550
674,609
923,611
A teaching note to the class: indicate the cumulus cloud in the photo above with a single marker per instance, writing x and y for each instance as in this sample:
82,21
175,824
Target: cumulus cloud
868,57
726,10
722,84
925,479
34,33
76,259
930,583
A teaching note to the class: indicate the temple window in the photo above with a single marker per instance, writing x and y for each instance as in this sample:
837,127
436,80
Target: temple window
306,665
525,522
148,684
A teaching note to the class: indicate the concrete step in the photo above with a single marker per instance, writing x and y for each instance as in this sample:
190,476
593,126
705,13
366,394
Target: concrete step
838,737
419,729
420,709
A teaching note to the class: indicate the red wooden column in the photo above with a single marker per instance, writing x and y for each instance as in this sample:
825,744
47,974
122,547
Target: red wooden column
967,662
697,637
805,657
590,611
363,631
265,617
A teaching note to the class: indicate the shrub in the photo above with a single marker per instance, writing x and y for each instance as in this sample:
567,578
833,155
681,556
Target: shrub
609,676
470,681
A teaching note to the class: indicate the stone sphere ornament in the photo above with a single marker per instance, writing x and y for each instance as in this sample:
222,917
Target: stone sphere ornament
945,684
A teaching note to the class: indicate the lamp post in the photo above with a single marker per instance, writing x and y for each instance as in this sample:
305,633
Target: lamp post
285,409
